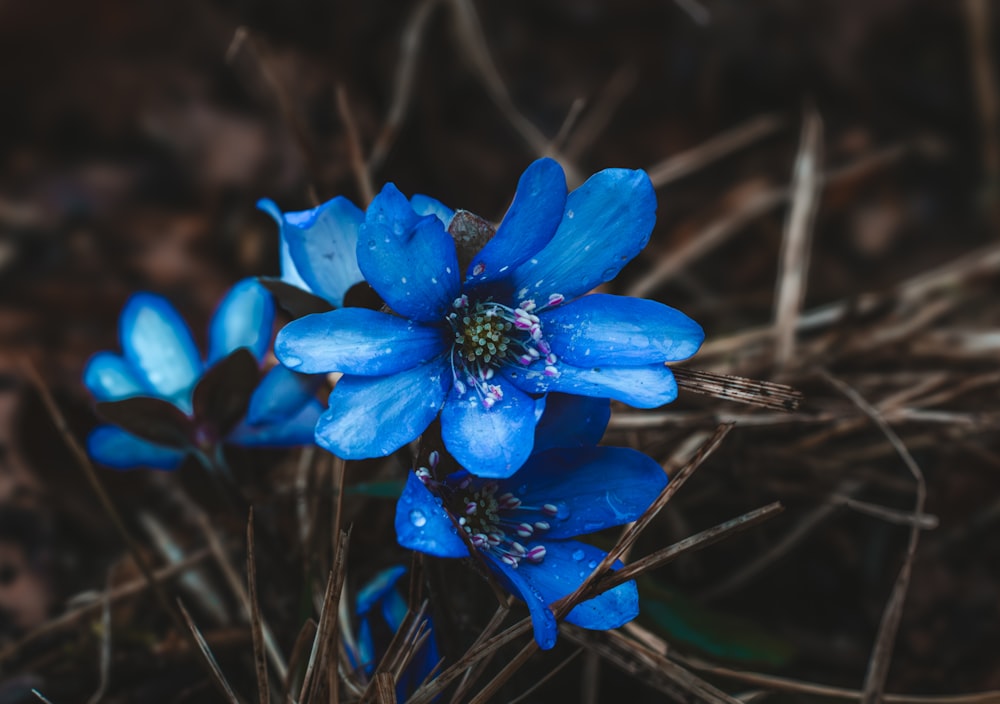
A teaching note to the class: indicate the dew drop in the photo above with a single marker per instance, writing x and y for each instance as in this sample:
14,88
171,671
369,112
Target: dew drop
562,510
609,273
578,554
418,518
592,564
292,362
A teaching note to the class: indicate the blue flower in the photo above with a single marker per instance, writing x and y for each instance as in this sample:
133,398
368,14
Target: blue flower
524,526
482,348
160,362
381,598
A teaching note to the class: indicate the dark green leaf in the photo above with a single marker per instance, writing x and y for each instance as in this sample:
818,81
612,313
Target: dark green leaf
222,396
292,299
151,419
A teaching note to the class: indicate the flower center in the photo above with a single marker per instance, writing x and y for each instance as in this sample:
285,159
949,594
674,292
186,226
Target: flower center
481,335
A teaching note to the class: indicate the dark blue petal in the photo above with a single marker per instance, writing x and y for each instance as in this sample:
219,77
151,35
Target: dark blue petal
567,563
423,524
605,329
489,442
299,429
244,318
409,260
366,647
356,341
572,421
281,394
394,610
289,274
607,222
113,447
593,487
425,205
158,345
322,244
529,224
377,588
518,582
643,387
110,378
373,416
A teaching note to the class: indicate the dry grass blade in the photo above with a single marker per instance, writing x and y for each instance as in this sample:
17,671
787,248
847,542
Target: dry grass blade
306,636
385,688
548,676
722,145
881,657
615,90
217,677
473,673
978,22
766,394
259,658
41,697
327,623
403,646
105,664
793,265
356,153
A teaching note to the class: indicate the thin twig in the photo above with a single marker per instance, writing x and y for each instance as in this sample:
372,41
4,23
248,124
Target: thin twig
217,676
259,656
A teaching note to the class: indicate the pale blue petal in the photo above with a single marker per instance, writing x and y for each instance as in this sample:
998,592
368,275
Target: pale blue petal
110,378
322,244
648,386
357,341
425,205
519,582
299,429
113,447
423,524
593,488
409,260
377,588
572,421
394,610
605,329
158,345
606,223
281,394
373,416
244,318
529,224
289,274
489,442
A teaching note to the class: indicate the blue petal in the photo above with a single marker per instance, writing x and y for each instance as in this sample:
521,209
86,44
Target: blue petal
113,447
377,588
322,244
529,224
572,421
394,610
244,318
425,205
423,524
110,378
605,329
607,222
158,345
297,430
648,386
567,563
593,487
489,442
289,274
366,647
373,416
281,394
519,582
409,260
356,341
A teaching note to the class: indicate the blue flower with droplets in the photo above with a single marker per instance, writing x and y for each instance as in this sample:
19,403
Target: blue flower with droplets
482,341
525,526
175,409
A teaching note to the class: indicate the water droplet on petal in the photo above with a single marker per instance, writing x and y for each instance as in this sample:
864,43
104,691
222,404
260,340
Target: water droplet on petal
609,274
592,564
418,518
371,244
578,554
562,510
292,362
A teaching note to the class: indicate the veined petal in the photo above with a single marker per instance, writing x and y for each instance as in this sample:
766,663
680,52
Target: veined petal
605,329
356,341
518,581
281,394
373,416
158,345
647,386
425,205
244,318
111,446
293,431
110,378
289,274
409,260
423,524
606,223
322,243
593,487
489,442
571,421
529,224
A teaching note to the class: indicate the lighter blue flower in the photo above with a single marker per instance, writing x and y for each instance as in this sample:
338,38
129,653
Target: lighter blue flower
160,360
525,526
484,346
